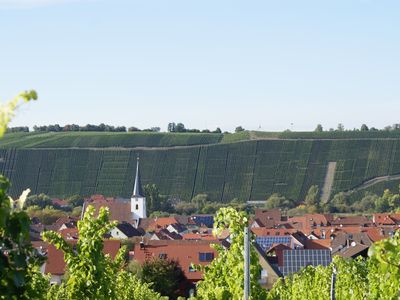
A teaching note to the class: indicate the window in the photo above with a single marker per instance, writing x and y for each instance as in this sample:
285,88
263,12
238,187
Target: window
137,206
206,256
162,255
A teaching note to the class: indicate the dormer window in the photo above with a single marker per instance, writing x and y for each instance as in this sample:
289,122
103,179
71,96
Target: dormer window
206,256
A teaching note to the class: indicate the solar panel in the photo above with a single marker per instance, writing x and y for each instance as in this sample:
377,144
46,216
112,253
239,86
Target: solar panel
294,260
204,220
266,242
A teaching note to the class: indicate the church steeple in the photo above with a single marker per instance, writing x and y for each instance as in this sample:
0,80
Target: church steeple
137,189
138,200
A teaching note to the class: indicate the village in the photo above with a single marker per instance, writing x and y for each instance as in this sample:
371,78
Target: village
284,244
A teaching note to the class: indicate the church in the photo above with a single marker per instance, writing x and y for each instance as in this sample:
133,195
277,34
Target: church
123,210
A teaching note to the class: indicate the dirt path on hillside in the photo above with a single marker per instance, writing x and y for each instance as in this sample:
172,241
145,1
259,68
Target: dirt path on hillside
198,145
328,183
373,181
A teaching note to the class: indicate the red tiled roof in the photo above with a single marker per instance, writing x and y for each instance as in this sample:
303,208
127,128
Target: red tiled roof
59,202
55,263
309,221
119,210
69,233
318,244
64,220
161,223
262,231
386,219
198,236
185,252
269,218
352,220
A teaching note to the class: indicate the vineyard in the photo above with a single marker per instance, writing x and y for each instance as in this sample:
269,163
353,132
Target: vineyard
106,139
248,170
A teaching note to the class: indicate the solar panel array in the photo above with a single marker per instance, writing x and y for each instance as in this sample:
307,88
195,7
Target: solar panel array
204,220
294,260
266,242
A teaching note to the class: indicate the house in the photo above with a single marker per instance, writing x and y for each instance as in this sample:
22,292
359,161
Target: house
124,231
385,219
203,220
291,261
354,250
262,231
69,233
65,222
55,264
177,228
60,203
351,221
157,224
379,233
267,242
186,252
269,274
343,241
308,222
267,218
164,234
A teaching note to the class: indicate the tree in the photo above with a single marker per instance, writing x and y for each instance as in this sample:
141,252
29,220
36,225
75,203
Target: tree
165,276
133,128
75,200
319,128
200,201
171,127
382,204
366,204
224,277
218,130
41,200
364,127
92,274
19,276
47,215
155,201
312,199
340,203
340,127
180,128
184,208
278,201
239,129
393,200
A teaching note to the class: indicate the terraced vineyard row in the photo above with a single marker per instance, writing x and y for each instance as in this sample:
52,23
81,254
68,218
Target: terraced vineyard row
250,170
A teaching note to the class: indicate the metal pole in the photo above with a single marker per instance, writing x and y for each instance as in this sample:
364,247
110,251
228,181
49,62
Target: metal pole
333,281
246,264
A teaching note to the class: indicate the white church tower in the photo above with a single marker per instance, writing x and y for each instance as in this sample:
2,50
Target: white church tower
138,200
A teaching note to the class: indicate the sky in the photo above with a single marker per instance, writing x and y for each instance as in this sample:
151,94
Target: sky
268,65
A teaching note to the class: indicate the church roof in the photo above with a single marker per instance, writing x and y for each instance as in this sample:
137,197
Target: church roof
137,189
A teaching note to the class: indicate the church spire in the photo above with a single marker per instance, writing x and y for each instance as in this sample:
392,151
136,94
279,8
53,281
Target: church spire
137,189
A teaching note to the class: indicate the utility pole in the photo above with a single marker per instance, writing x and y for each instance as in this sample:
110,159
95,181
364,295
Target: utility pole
333,281
246,263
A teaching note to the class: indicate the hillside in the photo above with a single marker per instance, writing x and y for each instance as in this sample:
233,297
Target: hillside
249,170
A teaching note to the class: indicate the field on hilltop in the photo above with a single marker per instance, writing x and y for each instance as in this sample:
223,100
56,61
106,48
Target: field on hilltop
106,139
246,165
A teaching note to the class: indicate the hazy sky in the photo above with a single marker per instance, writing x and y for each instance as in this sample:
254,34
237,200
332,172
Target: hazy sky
203,63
